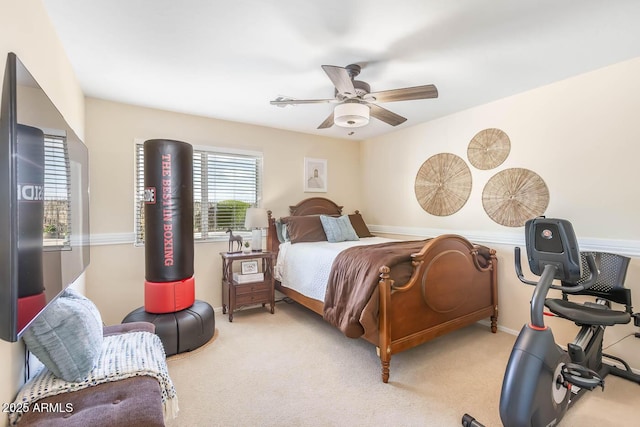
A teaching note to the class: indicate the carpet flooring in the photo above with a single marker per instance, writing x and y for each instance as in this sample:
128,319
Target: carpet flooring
293,369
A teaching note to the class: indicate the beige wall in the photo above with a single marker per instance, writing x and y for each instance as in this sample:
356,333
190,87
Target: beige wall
580,135
26,30
115,278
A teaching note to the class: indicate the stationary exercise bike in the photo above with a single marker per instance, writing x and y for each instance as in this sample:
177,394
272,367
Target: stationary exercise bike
542,381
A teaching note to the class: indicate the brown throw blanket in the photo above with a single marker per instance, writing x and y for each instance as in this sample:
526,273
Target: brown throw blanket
354,276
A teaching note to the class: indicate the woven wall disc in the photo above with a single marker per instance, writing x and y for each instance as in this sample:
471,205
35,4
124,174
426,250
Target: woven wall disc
443,184
488,148
513,196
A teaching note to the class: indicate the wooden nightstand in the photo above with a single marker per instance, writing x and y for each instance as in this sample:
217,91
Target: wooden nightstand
235,295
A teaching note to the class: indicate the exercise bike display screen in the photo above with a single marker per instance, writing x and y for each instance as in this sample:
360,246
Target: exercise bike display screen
553,241
547,238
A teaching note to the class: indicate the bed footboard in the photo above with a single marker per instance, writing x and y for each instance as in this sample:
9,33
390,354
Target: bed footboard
451,287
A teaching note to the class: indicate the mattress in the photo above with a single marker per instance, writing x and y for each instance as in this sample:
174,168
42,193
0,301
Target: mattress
305,267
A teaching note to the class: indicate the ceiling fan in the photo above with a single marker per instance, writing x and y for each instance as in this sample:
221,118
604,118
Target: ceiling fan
356,102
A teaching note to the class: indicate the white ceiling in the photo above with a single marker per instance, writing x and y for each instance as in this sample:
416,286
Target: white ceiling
228,59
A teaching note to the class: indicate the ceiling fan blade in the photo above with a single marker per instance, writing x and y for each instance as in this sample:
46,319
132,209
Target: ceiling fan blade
282,102
386,116
341,80
405,94
328,122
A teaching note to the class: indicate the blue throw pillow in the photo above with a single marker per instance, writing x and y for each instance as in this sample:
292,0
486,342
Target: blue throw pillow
67,336
338,229
281,231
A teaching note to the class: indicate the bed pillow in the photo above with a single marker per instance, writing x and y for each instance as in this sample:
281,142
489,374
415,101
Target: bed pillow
67,336
304,229
338,229
358,224
281,231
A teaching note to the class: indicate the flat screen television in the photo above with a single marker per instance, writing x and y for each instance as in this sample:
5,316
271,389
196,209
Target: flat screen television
44,201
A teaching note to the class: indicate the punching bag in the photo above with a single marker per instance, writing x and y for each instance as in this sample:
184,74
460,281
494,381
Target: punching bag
30,177
181,322
168,211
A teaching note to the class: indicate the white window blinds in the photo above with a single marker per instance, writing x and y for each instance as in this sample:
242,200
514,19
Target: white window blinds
57,190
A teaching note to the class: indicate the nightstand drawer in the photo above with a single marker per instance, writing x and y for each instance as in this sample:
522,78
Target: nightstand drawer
249,288
253,298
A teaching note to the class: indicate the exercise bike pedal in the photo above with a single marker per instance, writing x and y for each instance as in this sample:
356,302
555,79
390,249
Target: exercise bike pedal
582,377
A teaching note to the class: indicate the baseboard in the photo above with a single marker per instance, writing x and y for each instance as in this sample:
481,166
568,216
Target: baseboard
500,328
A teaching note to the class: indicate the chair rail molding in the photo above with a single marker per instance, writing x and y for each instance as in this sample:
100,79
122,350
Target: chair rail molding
629,248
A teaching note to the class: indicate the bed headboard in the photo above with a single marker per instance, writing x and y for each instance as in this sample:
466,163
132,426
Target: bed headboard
315,206
310,206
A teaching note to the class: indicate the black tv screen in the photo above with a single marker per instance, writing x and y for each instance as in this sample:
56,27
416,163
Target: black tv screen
44,194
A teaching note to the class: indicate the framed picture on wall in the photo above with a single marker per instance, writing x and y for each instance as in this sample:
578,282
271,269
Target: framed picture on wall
315,175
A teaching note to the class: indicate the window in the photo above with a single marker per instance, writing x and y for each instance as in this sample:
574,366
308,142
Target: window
225,184
57,219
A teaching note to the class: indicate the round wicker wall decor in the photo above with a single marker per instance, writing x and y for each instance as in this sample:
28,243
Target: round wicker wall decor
488,148
443,184
513,196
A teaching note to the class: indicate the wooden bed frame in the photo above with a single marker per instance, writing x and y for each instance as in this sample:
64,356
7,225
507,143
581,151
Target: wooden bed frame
448,290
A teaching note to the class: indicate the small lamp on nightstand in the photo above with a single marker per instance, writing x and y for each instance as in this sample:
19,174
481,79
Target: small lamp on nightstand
255,220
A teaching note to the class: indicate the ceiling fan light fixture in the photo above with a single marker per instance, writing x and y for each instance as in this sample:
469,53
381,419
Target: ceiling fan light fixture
351,115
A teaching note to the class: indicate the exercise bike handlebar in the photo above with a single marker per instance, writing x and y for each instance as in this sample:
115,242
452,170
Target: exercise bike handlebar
545,283
518,265
593,270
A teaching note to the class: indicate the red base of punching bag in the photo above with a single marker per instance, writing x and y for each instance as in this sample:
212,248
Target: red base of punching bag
169,297
28,307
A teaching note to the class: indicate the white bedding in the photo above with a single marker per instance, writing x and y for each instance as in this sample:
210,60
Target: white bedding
305,267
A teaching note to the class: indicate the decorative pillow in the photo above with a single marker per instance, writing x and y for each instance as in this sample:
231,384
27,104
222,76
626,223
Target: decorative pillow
338,229
67,336
304,229
281,231
358,224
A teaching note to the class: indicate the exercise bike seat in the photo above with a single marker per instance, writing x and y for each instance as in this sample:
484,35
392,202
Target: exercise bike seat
583,314
608,286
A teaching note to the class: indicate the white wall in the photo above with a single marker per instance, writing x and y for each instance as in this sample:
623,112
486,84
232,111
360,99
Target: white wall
581,135
26,30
